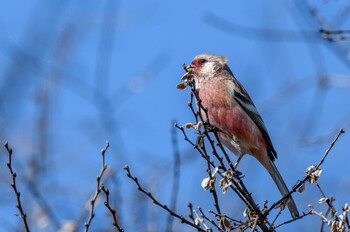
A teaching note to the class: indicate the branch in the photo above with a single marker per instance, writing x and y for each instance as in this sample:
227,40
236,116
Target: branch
14,186
294,219
98,189
113,211
210,220
155,201
340,132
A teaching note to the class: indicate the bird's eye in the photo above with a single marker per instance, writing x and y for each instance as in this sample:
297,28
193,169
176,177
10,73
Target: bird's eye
202,61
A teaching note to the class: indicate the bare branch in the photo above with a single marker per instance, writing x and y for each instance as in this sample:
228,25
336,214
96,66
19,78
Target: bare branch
155,201
111,210
340,132
98,188
294,219
14,186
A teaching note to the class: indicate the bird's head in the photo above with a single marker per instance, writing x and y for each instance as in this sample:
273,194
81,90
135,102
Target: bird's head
205,66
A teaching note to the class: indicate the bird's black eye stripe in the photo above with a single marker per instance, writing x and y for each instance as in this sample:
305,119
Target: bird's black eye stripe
202,61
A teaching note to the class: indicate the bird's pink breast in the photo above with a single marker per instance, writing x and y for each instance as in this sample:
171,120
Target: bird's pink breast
227,115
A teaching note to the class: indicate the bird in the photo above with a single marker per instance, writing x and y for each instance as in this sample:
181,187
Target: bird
231,110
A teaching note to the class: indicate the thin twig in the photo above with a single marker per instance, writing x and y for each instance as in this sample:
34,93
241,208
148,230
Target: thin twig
203,215
329,201
14,186
111,210
190,207
216,204
322,222
212,188
200,221
98,189
277,215
196,146
294,219
225,216
255,224
155,201
341,131
34,189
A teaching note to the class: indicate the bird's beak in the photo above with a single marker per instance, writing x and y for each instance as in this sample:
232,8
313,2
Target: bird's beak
189,72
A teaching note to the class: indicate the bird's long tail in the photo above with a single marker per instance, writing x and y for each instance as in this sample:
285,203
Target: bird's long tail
277,178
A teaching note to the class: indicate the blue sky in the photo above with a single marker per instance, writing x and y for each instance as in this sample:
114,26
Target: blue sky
108,70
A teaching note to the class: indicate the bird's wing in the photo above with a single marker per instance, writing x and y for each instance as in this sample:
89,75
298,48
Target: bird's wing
243,99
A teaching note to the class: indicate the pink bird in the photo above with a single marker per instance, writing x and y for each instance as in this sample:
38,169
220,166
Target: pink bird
232,111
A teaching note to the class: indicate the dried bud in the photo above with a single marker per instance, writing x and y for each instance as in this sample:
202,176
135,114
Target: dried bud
181,86
226,222
245,212
337,226
322,200
187,77
302,188
313,173
196,126
188,125
226,181
329,223
196,221
317,173
249,214
200,141
209,182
